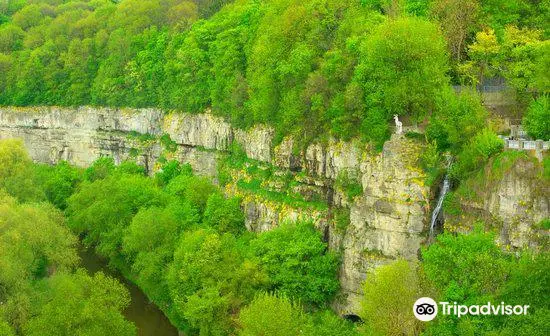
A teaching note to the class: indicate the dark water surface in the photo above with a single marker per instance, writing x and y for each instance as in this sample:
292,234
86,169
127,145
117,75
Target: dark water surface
149,320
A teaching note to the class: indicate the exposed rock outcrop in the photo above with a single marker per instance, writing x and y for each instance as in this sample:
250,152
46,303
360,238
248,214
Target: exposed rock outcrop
386,221
512,197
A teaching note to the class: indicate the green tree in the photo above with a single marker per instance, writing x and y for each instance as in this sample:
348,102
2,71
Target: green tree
388,295
472,269
298,263
103,209
484,57
34,244
522,51
458,119
150,242
479,149
274,315
100,169
170,170
209,280
466,266
78,304
16,174
537,119
402,70
224,214
194,189
458,20
58,182
48,245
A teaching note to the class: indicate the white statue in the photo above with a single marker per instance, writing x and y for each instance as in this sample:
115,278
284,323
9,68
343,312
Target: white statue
398,124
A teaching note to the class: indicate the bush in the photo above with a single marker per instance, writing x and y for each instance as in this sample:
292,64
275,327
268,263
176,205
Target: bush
348,182
537,120
273,315
476,153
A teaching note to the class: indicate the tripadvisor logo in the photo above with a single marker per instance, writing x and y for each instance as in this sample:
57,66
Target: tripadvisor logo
426,309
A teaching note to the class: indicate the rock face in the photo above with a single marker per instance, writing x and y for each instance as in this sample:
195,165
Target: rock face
512,202
388,220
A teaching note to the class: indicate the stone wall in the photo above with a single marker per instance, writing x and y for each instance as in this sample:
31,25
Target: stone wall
387,221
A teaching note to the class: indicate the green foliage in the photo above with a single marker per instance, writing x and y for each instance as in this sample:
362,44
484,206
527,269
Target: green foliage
181,241
389,293
431,163
39,295
298,263
208,280
274,315
327,323
130,167
16,174
458,119
544,224
471,269
100,169
48,244
149,244
341,218
465,266
78,304
348,182
170,170
475,155
6,329
224,214
195,189
310,69
59,182
451,204
402,71
458,21
537,120
104,208
169,144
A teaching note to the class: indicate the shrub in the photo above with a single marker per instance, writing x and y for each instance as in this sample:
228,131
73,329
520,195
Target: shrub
476,153
537,120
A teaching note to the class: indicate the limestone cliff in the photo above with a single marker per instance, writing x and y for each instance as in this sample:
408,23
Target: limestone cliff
511,196
385,218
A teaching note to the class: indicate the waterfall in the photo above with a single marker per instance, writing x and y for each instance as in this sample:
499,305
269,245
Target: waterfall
437,210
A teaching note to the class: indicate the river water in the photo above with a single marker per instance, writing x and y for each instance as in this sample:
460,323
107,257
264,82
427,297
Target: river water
148,318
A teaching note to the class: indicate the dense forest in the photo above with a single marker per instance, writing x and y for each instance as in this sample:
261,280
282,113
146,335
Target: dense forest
309,68
314,70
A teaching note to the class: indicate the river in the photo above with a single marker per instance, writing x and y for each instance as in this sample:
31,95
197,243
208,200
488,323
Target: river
148,318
